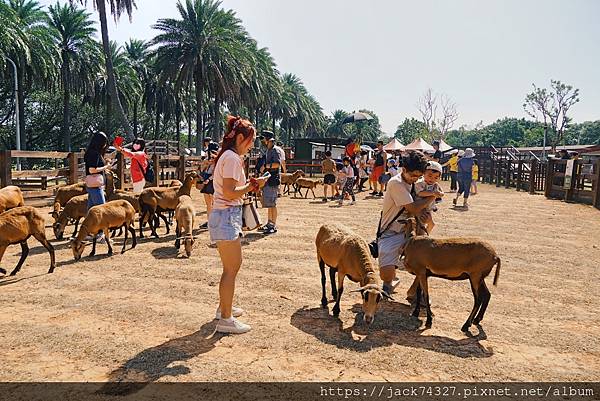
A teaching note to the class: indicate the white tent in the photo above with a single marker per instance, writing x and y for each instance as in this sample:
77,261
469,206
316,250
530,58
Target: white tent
419,144
394,145
444,147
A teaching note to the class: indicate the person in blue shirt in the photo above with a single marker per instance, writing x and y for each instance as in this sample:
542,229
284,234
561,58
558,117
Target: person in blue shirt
465,176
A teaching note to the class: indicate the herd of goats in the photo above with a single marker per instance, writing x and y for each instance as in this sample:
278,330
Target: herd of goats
344,252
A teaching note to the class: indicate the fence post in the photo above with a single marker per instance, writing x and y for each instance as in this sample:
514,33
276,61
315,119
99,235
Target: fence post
596,186
549,178
157,172
532,173
72,167
519,174
181,169
5,168
498,172
570,192
508,174
120,171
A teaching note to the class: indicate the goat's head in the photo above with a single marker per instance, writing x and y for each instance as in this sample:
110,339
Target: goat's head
59,228
189,244
371,294
77,247
298,173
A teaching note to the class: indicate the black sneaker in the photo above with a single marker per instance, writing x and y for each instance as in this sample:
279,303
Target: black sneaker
380,194
204,226
270,230
374,193
265,227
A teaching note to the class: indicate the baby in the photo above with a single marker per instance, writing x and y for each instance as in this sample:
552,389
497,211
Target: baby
429,187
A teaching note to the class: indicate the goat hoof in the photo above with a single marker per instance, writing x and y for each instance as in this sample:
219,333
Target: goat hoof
428,323
2,271
324,303
465,328
336,312
109,253
51,270
415,313
13,273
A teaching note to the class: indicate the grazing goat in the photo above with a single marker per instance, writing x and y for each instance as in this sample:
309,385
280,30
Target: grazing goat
16,226
347,254
110,215
184,216
307,183
64,194
74,210
155,200
452,259
289,179
10,197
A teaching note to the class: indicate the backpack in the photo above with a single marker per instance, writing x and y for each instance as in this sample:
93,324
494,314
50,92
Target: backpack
149,175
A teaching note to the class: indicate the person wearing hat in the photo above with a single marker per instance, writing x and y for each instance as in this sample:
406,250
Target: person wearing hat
465,177
271,190
429,186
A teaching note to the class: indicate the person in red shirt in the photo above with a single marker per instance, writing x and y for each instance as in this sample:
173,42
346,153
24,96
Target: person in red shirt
139,163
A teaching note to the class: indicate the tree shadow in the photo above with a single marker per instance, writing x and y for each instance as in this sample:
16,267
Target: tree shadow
393,325
154,363
8,280
165,252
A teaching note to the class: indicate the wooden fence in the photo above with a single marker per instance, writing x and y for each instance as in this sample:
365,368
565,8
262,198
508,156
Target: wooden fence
69,169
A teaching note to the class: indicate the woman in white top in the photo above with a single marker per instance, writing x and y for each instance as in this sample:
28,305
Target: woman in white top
225,220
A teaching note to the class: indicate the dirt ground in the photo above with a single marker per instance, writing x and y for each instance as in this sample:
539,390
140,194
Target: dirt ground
148,315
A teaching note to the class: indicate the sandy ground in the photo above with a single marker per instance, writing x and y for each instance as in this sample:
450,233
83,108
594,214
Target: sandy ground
147,315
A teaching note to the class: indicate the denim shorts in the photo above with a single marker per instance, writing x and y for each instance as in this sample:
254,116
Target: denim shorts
225,224
270,196
95,197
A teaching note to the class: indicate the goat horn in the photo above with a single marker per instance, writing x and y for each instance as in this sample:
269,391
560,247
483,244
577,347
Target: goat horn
358,289
386,295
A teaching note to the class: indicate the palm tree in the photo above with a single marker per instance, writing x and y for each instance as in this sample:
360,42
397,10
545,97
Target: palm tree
36,58
73,32
204,48
126,83
138,53
117,7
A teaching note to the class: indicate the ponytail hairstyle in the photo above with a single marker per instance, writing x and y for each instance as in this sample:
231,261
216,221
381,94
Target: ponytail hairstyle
235,125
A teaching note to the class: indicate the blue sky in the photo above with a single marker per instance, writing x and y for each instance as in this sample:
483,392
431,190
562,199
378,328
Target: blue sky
383,54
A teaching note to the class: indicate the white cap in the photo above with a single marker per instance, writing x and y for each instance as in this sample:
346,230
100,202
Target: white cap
435,166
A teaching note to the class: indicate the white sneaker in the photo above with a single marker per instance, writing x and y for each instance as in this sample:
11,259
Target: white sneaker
233,326
235,312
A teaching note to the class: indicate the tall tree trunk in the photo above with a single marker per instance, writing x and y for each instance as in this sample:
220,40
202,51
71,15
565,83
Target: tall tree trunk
157,124
112,88
135,118
21,105
189,124
273,125
107,115
217,121
199,92
66,106
178,123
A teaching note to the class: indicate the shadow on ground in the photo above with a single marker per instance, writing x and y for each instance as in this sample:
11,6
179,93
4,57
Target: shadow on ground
154,363
393,325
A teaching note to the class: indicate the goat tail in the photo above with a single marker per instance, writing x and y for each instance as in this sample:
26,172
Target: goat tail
497,273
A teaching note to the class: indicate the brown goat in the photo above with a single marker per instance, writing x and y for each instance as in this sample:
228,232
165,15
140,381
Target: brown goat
289,179
16,226
184,216
309,184
75,209
155,200
452,259
110,215
348,255
11,197
64,194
